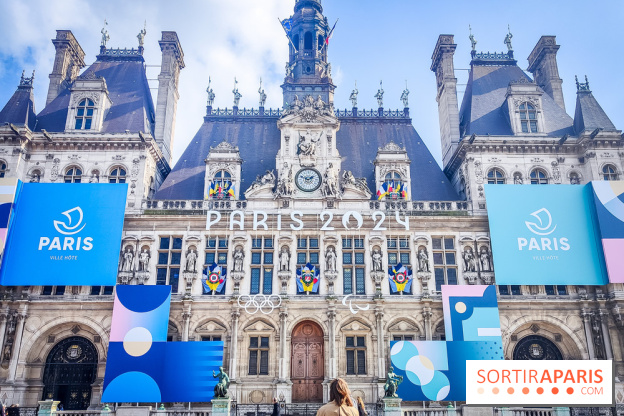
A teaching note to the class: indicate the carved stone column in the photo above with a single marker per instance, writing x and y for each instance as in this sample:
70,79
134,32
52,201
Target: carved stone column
427,316
606,335
19,332
186,316
331,325
586,315
283,314
234,343
381,356
4,315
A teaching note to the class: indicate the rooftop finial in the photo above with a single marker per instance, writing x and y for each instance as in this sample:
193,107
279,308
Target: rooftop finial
353,96
263,96
25,81
473,42
404,96
507,40
141,35
582,86
237,95
379,95
105,37
211,94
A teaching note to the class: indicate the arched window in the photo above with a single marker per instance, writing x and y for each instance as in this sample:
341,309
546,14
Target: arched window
528,118
84,114
609,173
3,168
535,347
73,174
575,179
394,181
496,177
296,42
220,183
117,175
307,41
321,42
539,177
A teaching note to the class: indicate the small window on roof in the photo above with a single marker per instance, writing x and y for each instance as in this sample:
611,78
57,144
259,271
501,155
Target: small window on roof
528,118
84,114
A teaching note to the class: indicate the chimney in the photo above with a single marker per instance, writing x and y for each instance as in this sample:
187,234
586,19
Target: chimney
543,66
68,62
167,101
448,111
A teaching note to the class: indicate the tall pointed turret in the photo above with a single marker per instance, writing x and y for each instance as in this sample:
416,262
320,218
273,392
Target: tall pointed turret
308,72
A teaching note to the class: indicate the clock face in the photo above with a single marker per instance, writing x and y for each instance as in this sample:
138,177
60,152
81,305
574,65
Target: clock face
308,180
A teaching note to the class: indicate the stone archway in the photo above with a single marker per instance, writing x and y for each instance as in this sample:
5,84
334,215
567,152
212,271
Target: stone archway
307,363
70,370
536,347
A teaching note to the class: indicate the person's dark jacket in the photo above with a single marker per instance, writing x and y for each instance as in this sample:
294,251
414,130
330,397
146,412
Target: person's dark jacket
277,410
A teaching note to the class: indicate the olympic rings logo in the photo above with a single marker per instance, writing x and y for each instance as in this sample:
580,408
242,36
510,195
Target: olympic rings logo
263,303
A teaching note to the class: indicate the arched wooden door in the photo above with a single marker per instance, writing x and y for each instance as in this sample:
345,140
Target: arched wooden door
307,363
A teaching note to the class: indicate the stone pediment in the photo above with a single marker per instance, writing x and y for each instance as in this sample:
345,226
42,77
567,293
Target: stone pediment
259,326
355,325
403,326
309,110
210,326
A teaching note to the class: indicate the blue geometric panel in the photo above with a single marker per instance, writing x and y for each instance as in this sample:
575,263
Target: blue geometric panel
436,370
142,366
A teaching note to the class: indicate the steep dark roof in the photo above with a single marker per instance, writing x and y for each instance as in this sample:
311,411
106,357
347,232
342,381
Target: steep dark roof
20,109
132,107
589,115
483,111
258,140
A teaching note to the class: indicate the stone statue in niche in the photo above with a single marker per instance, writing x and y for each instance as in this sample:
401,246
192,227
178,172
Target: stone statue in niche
94,177
284,259
423,260
517,179
191,261
35,177
485,260
285,183
128,257
469,260
238,257
330,259
144,258
377,260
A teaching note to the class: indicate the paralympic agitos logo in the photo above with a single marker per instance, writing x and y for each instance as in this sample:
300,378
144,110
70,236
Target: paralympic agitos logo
69,241
542,227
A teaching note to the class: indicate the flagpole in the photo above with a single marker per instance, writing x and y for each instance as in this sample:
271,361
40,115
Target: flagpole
329,35
291,42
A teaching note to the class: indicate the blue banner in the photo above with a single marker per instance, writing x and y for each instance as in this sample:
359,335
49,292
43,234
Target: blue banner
65,234
544,234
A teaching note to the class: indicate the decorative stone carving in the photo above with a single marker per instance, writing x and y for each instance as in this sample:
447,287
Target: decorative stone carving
377,258
392,167
517,178
238,256
471,278
284,276
144,259
266,181
127,259
191,260
556,172
330,259
284,259
309,110
469,262
285,185
54,173
478,172
423,259
485,259
351,182
424,278
330,182
134,171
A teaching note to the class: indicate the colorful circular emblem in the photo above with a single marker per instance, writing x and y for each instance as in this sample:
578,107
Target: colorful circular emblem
307,277
213,278
400,278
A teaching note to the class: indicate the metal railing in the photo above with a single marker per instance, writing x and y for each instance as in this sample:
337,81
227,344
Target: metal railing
522,411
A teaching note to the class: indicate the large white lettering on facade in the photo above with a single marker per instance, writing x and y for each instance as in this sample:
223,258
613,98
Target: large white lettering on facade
72,226
543,226
294,221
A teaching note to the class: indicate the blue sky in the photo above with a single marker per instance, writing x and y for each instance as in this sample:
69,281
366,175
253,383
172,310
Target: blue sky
391,41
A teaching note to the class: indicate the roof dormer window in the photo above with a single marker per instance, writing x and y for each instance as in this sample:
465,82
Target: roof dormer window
84,114
528,118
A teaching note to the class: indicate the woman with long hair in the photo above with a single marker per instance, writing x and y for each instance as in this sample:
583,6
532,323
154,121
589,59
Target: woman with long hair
360,407
340,403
